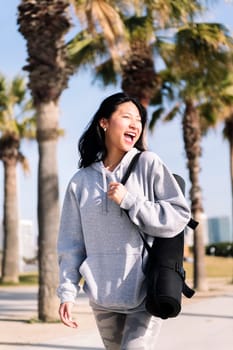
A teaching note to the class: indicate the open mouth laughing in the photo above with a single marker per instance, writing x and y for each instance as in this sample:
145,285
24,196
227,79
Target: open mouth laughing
130,136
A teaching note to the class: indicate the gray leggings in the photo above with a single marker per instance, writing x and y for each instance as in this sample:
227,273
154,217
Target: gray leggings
134,331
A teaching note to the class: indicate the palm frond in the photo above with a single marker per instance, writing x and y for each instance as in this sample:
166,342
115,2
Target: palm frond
85,50
27,127
140,28
172,113
200,39
105,72
156,115
103,17
171,12
18,89
14,99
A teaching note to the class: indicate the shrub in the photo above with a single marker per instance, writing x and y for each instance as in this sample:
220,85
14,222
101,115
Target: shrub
224,249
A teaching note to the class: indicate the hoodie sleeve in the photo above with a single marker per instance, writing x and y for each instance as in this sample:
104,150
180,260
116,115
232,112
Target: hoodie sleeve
162,210
70,247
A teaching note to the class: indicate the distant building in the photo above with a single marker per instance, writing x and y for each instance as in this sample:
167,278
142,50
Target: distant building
188,238
215,229
27,243
219,229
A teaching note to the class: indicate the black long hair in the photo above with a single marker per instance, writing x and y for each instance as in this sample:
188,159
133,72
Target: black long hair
91,144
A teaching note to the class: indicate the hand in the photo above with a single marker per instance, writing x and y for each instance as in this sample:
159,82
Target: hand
65,315
116,192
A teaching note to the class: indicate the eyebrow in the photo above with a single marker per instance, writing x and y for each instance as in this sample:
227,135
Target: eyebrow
130,114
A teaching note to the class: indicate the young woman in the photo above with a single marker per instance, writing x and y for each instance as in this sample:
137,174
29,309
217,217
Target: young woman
99,241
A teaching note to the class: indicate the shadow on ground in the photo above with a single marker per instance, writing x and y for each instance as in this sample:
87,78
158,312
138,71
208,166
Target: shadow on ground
49,346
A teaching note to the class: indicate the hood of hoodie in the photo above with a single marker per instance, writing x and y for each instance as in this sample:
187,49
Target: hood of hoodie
115,175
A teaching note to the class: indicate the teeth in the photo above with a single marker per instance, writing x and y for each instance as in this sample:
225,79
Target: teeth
130,135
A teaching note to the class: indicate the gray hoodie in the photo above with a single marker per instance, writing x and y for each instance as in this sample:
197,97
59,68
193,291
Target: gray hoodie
98,241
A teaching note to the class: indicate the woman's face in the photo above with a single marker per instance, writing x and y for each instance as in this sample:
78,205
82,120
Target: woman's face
123,129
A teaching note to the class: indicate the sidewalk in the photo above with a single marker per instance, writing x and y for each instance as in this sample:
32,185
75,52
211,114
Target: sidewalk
206,322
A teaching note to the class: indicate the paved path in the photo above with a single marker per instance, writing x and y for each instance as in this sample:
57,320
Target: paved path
206,322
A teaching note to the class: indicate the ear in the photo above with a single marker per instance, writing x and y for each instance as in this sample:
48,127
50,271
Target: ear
103,123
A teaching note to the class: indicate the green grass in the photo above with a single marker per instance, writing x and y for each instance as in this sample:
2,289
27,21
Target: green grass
216,267
25,279
28,279
36,320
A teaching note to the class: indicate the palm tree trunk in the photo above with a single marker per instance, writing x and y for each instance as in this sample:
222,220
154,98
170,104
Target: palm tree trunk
10,261
44,24
230,139
48,210
228,132
231,174
192,141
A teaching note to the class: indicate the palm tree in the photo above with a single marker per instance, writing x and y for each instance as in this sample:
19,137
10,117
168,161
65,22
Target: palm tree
44,23
101,16
13,128
139,76
228,134
221,110
197,65
130,47
205,44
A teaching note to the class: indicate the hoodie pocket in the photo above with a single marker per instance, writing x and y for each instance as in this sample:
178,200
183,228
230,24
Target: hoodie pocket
113,281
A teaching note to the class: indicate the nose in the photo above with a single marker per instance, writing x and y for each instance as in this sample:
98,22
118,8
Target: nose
133,123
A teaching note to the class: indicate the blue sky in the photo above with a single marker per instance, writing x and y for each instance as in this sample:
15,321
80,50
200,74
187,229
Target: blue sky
77,105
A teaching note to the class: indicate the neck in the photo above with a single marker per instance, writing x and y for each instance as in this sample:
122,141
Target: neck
110,163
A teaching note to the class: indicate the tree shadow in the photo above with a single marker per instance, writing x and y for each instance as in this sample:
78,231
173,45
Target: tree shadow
190,314
49,346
